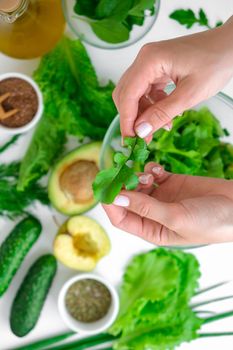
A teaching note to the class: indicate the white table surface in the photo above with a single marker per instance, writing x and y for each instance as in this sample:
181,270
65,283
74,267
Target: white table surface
216,260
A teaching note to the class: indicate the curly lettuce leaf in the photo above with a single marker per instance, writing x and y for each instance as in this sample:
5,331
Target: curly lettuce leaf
192,146
154,285
182,327
74,102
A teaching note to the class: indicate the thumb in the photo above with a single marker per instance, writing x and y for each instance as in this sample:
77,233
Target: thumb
161,113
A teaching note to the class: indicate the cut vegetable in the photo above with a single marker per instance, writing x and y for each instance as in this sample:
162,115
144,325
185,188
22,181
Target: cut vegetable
81,242
31,295
70,184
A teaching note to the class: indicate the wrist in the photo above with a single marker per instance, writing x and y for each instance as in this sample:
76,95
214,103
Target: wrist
224,35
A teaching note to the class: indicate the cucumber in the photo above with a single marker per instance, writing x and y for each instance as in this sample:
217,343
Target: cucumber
14,249
31,295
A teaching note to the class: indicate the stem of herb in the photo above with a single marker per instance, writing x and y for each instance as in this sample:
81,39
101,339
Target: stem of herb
193,306
83,344
39,345
218,317
9,143
211,287
223,334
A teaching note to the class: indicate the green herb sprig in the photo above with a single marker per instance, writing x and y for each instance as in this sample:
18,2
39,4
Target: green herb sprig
109,182
13,203
188,18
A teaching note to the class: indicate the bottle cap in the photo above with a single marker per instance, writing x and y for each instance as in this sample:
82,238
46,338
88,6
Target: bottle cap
9,5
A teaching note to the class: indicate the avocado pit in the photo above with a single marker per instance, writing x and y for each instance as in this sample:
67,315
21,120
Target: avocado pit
76,180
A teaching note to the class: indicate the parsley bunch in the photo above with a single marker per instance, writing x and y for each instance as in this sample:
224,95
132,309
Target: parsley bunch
14,203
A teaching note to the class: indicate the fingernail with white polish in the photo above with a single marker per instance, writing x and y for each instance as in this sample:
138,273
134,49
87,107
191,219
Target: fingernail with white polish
121,201
144,179
144,130
167,127
157,170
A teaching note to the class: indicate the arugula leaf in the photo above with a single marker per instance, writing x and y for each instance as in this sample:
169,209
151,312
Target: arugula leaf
12,141
188,18
74,101
109,182
154,301
203,20
13,203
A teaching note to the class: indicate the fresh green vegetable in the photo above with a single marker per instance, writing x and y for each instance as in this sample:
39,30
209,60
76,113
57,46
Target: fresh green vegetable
74,103
14,249
109,182
112,20
14,203
31,295
12,141
188,18
193,146
155,295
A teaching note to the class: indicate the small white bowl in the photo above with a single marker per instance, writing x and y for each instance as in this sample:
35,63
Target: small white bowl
93,327
37,116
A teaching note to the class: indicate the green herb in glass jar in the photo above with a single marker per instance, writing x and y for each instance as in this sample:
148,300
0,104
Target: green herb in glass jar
88,300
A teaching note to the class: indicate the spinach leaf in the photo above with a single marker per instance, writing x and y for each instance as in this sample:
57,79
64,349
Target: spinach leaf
140,6
110,30
112,20
86,7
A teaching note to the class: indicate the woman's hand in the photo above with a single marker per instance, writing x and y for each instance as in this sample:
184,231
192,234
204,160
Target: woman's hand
181,210
200,65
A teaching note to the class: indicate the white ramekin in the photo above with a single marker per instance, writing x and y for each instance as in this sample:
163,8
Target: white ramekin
93,327
37,116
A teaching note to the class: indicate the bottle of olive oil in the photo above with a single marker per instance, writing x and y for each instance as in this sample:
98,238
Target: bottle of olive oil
30,28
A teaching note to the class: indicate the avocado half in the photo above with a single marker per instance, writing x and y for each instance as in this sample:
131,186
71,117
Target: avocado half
70,183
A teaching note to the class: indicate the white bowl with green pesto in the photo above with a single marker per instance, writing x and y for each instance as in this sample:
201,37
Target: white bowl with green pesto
88,304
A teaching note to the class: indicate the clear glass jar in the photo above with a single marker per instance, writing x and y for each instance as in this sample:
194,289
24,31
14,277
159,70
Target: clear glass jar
30,28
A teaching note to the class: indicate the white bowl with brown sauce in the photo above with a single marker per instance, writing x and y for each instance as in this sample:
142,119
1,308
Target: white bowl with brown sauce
21,103
88,316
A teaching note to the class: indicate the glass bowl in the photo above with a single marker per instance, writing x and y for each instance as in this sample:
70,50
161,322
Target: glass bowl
221,106
83,30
